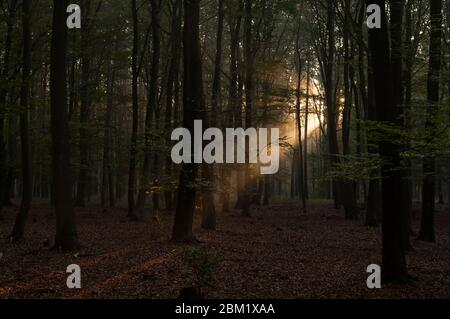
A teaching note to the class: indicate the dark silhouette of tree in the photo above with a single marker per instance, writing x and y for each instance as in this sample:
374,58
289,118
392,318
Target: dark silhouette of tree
66,232
19,225
397,57
5,74
394,263
192,106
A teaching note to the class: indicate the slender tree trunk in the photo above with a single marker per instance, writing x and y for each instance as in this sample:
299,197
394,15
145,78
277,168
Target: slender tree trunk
134,131
409,60
434,74
239,121
19,225
152,108
300,176
192,105
209,210
12,152
232,118
248,52
330,99
66,233
347,187
373,200
305,147
173,74
373,210
294,170
359,131
108,183
3,95
85,104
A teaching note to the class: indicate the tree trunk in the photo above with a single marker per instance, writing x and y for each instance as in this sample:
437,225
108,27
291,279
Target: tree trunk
434,73
248,53
66,233
3,95
108,180
173,74
19,225
397,9
374,199
134,131
330,99
12,152
300,176
394,262
193,104
85,105
347,187
232,118
409,60
238,122
209,210
152,107
305,147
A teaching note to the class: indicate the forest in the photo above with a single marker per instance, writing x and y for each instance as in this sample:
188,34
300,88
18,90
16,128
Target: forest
271,149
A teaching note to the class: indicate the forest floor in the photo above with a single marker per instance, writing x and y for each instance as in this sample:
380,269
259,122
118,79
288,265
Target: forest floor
277,253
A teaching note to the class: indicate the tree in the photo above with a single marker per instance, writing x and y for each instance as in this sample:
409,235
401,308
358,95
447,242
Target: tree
305,127
108,179
172,89
209,209
239,87
192,106
249,73
397,57
85,105
347,187
233,112
5,74
299,152
394,262
135,101
152,108
373,209
66,232
429,167
326,51
407,78
19,225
